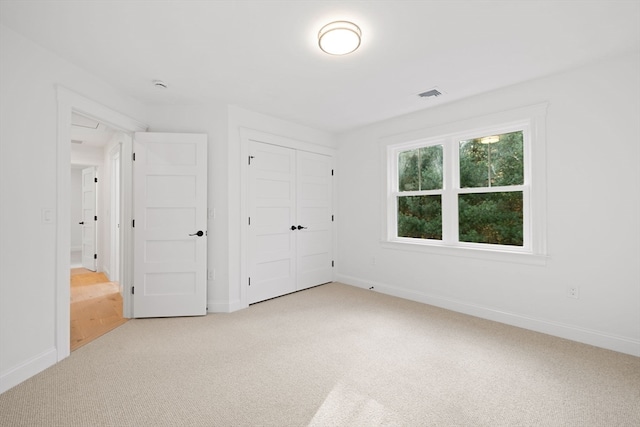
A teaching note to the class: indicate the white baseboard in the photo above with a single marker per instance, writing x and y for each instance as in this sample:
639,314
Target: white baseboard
27,369
224,306
570,332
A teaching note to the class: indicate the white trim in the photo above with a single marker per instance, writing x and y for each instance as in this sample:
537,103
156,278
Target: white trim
562,330
27,369
115,198
224,306
68,102
486,252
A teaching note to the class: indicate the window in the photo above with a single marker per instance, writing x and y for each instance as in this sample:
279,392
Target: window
472,189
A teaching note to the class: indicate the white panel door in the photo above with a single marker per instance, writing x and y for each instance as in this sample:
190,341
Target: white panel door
272,253
170,229
290,220
314,214
89,229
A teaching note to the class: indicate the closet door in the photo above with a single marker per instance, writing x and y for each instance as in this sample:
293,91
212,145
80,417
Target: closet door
290,221
314,215
272,242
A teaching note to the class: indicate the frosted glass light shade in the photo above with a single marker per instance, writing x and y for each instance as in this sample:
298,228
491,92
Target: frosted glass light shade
339,37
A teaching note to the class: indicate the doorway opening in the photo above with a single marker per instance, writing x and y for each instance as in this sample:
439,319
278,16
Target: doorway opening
96,299
70,102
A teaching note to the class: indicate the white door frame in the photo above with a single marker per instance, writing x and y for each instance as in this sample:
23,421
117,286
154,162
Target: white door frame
115,229
247,135
68,102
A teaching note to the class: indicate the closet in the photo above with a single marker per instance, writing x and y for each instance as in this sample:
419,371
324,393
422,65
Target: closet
290,220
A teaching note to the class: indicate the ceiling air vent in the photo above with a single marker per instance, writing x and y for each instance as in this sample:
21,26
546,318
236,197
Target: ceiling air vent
433,92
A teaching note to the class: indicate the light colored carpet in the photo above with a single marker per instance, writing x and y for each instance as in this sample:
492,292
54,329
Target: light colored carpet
334,355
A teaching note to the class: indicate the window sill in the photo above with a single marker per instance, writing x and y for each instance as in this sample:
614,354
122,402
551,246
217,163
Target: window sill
465,252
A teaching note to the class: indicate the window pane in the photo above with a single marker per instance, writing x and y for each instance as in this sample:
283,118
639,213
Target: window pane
420,169
492,161
420,217
491,218
431,167
408,171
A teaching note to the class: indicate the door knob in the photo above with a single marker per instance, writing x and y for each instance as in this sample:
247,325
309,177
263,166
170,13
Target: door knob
200,233
293,228
301,227
81,223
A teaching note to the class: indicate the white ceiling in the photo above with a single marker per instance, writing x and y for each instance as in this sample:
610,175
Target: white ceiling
263,55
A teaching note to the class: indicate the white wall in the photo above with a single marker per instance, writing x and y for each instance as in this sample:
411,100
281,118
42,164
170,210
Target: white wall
28,185
593,206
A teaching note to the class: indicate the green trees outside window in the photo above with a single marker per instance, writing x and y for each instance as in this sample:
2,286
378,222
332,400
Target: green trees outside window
488,186
492,161
491,218
420,216
420,169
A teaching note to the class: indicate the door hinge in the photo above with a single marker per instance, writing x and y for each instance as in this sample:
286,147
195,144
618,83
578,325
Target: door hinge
249,281
95,218
134,157
133,290
250,157
332,264
331,172
249,220
95,256
95,179
133,223
331,218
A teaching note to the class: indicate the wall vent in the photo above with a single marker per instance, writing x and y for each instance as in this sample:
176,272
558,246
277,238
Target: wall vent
433,92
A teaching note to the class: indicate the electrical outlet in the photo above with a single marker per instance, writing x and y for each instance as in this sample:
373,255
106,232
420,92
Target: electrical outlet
573,292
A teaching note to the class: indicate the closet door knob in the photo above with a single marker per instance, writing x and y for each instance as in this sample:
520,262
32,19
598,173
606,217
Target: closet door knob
81,223
200,233
301,227
293,228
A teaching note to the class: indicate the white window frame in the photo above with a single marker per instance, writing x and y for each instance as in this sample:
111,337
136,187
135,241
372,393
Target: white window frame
531,120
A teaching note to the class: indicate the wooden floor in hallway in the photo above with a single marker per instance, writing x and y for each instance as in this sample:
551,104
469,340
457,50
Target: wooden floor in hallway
96,306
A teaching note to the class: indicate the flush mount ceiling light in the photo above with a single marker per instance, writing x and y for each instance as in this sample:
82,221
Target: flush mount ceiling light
339,38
